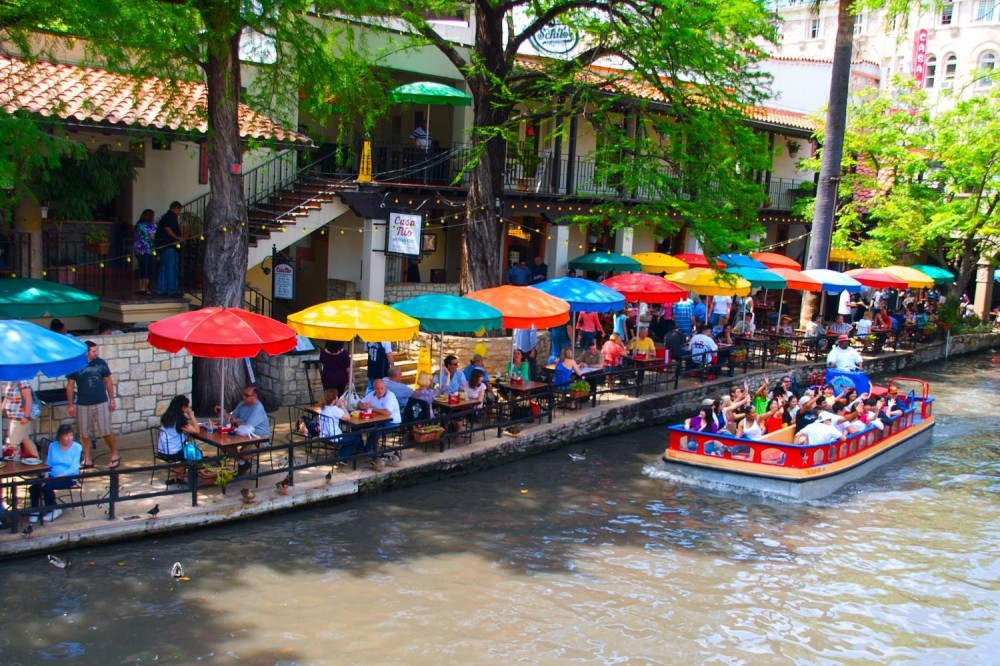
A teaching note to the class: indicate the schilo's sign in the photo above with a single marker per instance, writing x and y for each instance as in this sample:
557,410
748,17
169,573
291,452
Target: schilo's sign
555,38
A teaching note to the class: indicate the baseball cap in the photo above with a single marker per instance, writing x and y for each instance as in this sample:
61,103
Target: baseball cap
825,416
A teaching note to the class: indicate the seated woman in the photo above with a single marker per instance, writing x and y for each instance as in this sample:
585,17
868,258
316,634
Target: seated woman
478,390
785,326
331,413
725,336
566,369
704,421
426,393
518,367
751,427
63,458
612,352
177,421
864,325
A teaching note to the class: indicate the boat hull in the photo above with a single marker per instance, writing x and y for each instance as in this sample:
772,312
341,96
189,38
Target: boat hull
800,484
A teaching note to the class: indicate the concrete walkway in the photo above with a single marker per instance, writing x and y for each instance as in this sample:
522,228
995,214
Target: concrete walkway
615,413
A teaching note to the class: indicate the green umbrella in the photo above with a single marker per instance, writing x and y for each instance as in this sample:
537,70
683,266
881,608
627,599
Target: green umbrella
429,92
605,261
939,275
28,298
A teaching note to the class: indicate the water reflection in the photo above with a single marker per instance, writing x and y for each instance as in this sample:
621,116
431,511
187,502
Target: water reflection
600,561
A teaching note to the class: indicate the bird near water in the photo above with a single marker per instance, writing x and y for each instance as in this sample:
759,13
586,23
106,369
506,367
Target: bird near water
248,495
177,571
57,562
576,457
154,511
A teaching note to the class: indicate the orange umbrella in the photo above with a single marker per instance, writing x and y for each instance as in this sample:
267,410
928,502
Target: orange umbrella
775,260
877,278
522,307
797,279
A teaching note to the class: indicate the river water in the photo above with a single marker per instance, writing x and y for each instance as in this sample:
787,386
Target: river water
549,560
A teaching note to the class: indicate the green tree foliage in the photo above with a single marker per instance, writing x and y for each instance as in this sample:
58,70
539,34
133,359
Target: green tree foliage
680,146
921,184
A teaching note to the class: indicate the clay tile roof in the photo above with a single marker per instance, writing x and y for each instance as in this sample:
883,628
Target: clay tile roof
96,96
780,117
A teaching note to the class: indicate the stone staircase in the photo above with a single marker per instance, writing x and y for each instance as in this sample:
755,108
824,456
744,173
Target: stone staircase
308,204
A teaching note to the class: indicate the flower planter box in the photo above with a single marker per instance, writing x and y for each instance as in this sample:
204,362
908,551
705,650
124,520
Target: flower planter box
424,435
579,394
98,248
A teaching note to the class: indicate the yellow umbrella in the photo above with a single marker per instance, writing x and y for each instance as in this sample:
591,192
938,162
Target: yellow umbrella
710,282
657,262
345,320
914,279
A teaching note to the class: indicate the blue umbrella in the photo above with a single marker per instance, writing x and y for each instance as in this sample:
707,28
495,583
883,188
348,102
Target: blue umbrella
833,281
27,349
740,261
582,296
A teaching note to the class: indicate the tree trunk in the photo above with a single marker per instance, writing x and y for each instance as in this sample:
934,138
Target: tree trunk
225,263
483,238
833,151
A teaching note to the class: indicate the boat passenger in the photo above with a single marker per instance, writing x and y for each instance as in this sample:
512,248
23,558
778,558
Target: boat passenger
822,431
703,422
791,409
843,357
752,427
776,415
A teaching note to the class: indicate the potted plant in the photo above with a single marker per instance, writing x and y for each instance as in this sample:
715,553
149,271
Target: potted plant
805,189
525,155
220,473
949,314
579,389
96,241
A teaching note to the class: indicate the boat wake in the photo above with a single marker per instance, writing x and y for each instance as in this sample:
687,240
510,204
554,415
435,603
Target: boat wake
657,471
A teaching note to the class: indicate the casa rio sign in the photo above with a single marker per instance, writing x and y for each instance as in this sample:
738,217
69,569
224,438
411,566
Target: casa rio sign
555,38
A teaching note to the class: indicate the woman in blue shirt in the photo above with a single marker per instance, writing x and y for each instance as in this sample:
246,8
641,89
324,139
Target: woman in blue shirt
63,458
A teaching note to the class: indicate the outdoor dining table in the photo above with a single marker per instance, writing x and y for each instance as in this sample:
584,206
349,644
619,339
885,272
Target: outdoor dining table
15,468
520,395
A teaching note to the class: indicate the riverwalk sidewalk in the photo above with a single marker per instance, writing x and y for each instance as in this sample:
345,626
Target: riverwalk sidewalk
615,413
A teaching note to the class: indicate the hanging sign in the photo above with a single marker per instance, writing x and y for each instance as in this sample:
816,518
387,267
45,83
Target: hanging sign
555,38
403,236
920,57
284,282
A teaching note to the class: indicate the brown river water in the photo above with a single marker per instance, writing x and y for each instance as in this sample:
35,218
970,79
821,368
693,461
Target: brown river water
548,560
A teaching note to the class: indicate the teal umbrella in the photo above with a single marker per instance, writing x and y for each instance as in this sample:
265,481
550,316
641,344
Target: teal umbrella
936,273
28,298
445,313
759,277
606,261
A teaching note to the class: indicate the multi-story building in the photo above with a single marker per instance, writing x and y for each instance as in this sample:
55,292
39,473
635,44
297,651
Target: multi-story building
950,49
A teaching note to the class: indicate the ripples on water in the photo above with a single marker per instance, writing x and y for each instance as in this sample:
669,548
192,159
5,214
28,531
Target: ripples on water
546,560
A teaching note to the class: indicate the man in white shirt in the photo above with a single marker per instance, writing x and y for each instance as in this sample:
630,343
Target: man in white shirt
843,357
720,309
845,305
702,346
382,402
821,431
745,327
419,136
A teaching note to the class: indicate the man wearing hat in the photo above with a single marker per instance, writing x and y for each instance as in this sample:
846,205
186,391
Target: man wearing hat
476,364
843,357
822,431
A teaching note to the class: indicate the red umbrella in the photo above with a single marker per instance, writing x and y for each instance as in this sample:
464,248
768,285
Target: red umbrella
646,288
874,277
775,260
221,333
695,260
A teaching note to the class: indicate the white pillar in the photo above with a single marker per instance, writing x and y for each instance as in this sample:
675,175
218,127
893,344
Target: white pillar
373,261
984,289
623,241
557,250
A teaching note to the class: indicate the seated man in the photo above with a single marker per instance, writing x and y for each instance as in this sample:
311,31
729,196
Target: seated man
815,335
821,431
642,343
745,327
840,327
382,403
843,357
477,363
449,378
394,383
702,347
250,412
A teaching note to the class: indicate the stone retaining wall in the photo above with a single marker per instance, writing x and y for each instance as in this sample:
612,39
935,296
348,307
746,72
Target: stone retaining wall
400,291
146,380
285,380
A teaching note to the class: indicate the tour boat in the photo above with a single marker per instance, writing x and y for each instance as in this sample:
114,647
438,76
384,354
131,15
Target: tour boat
775,465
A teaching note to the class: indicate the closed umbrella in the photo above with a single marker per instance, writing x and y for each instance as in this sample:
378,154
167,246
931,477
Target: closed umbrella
221,333
775,260
348,319
936,273
658,262
915,279
28,298
583,296
446,313
605,261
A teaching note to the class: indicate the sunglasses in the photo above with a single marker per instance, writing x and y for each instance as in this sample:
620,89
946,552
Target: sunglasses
249,395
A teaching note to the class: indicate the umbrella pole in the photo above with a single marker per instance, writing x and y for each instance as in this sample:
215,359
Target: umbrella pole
572,337
440,355
222,392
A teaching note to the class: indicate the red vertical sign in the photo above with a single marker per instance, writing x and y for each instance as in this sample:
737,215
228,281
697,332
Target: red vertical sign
919,66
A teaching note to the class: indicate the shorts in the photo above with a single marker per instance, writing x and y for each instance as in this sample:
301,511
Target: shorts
93,420
19,432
